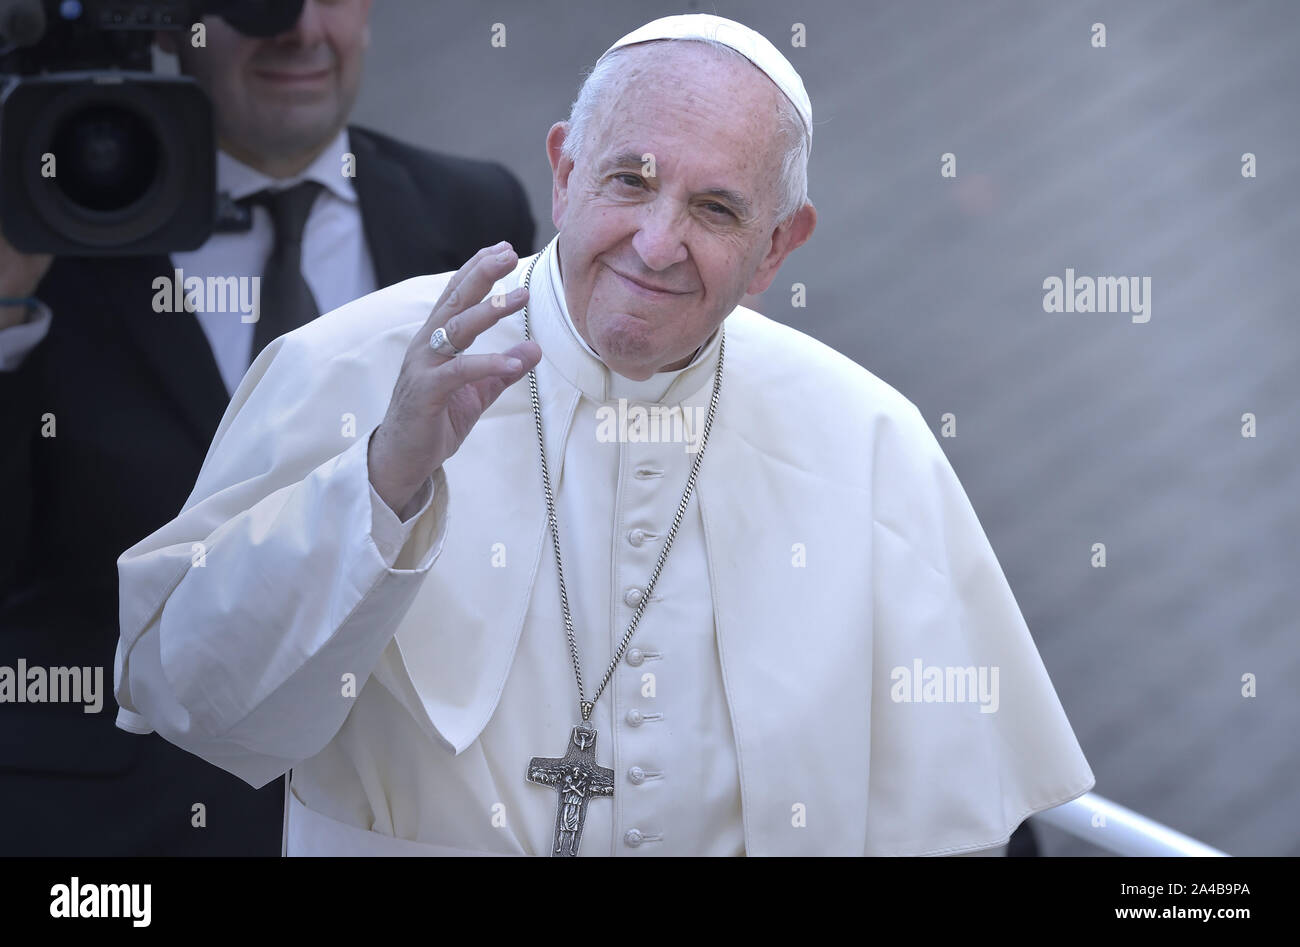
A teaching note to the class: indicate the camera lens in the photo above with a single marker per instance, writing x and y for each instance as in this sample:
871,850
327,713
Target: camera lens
108,157
107,165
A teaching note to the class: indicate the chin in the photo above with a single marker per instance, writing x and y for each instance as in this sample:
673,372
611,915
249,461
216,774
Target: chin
617,360
622,337
296,131
637,368
627,345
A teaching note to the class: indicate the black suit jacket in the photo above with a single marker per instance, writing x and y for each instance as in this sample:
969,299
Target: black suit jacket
133,399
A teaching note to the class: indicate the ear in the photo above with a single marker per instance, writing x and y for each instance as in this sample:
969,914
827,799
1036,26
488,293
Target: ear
785,240
561,168
365,19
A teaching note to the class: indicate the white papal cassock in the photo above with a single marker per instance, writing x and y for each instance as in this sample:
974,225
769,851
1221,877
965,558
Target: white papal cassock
756,712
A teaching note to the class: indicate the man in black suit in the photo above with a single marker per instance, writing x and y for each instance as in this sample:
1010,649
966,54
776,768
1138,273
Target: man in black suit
108,405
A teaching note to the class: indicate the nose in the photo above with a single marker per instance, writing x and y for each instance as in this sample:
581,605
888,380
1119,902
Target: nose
308,31
659,240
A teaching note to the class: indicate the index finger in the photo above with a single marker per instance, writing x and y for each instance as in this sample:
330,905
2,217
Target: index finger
473,264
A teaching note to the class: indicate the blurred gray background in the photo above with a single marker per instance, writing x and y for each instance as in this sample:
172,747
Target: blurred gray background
1072,428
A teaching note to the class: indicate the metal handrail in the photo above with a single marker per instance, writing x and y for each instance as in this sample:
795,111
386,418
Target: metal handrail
1109,825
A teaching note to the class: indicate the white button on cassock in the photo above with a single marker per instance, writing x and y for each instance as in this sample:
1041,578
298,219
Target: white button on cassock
634,837
636,537
637,775
635,717
632,597
634,657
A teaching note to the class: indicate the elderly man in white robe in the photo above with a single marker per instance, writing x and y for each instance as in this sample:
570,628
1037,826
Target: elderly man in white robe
573,554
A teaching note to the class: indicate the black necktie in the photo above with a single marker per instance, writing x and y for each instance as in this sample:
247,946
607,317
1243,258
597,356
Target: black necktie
286,299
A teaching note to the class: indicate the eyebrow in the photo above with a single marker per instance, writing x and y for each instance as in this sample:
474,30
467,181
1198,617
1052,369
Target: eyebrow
741,204
623,159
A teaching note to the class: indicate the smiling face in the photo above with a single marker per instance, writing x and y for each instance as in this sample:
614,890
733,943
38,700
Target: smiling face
279,99
653,263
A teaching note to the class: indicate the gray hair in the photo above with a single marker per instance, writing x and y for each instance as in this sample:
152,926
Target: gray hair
798,142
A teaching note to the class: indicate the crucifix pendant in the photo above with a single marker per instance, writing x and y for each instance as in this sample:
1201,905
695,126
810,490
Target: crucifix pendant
577,778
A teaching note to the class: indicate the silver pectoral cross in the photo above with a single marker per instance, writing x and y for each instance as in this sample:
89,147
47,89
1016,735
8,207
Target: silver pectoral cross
577,778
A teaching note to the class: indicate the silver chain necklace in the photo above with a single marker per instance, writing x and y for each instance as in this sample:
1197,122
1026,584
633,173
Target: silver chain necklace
575,776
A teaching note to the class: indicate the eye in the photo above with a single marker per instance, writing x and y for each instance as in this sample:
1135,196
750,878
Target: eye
631,180
718,210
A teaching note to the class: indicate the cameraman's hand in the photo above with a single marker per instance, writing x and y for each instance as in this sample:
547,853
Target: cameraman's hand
437,400
20,274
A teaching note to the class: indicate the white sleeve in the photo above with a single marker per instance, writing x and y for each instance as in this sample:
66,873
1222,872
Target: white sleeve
285,572
17,342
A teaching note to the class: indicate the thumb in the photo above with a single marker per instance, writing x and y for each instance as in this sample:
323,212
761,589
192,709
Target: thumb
530,353
489,389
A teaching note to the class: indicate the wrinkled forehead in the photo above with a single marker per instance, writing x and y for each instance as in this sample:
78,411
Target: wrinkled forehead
694,64
713,104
